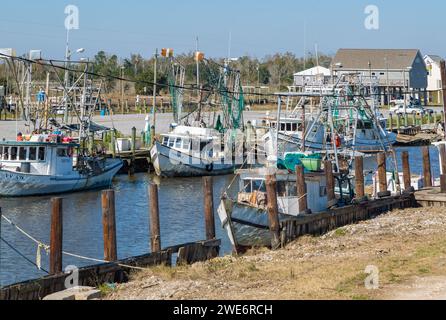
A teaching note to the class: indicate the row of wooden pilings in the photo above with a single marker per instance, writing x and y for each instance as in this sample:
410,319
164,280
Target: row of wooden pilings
271,185
403,120
109,224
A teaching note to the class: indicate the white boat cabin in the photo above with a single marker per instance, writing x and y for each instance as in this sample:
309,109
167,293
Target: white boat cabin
38,158
192,140
253,191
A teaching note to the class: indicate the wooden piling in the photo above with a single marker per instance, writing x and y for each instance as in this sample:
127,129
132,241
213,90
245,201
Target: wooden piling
301,189
133,141
359,177
56,236
208,191
391,122
406,171
331,196
443,158
273,211
155,230
382,172
113,143
443,168
109,225
427,172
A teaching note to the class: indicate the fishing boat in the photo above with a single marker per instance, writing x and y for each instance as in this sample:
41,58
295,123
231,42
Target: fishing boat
196,146
191,151
45,166
245,218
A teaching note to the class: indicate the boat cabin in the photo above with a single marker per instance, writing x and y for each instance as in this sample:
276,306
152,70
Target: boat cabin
38,158
288,126
253,191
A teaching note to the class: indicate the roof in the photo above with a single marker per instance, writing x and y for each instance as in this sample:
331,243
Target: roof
434,58
381,59
314,72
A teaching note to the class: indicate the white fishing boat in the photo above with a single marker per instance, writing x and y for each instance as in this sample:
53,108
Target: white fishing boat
189,152
34,168
245,218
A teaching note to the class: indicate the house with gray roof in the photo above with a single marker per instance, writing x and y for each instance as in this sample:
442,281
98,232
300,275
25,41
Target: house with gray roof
398,73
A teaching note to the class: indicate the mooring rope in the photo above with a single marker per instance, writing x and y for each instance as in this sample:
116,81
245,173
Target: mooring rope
41,245
23,256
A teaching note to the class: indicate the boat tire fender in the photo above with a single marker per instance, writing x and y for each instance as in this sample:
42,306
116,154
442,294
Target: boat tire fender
384,194
210,167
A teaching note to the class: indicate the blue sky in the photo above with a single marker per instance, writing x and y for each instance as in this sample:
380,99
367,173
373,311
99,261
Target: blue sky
258,27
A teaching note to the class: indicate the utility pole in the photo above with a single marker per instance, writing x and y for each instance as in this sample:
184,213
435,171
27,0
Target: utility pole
66,80
443,81
155,77
198,66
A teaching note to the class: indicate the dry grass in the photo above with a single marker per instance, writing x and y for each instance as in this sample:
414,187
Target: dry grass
402,244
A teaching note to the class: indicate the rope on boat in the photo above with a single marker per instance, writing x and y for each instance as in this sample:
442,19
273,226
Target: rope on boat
41,245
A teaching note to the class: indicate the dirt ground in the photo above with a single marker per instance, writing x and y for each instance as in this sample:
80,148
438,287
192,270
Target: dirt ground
405,250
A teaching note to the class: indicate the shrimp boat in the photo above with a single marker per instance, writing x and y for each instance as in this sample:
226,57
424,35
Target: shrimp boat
196,150
190,151
41,167
245,218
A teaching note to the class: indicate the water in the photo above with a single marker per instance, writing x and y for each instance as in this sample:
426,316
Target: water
181,219
181,215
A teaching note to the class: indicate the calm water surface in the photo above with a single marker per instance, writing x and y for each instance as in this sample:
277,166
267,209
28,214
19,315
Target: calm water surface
181,211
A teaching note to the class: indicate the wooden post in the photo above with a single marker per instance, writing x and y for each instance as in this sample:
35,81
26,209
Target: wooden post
443,82
331,196
427,168
208,191
56,236
133,141
113,143
301,189
443,183
406,171
155,230
109,225
382,172
273,211
391,122
359,176
443,158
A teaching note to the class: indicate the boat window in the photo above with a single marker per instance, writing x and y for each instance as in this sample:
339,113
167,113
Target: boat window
62,153
41,153
178,143
166,141
5,153
13,153
294,127
186,144
282,127
288,127
22,153
1,153
171,142
273,125
32,154
203,145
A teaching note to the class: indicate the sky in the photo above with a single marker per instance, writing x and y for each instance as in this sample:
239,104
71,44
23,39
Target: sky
236,27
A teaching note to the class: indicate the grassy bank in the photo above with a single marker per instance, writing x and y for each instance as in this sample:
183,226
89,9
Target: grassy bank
408,247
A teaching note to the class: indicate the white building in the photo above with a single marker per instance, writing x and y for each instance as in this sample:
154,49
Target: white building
312,77
434,85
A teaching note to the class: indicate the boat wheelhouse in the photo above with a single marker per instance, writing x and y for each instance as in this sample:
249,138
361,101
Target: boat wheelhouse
246,217
191,151
31,168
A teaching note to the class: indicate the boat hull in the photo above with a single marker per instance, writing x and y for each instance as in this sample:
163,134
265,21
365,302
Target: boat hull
184,165
17,184
246,226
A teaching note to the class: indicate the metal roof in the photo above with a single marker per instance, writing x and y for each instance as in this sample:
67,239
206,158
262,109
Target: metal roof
378,59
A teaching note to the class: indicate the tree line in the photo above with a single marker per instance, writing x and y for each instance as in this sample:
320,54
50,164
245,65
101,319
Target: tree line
275,71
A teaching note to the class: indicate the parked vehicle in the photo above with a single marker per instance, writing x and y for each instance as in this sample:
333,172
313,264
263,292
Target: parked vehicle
410,109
